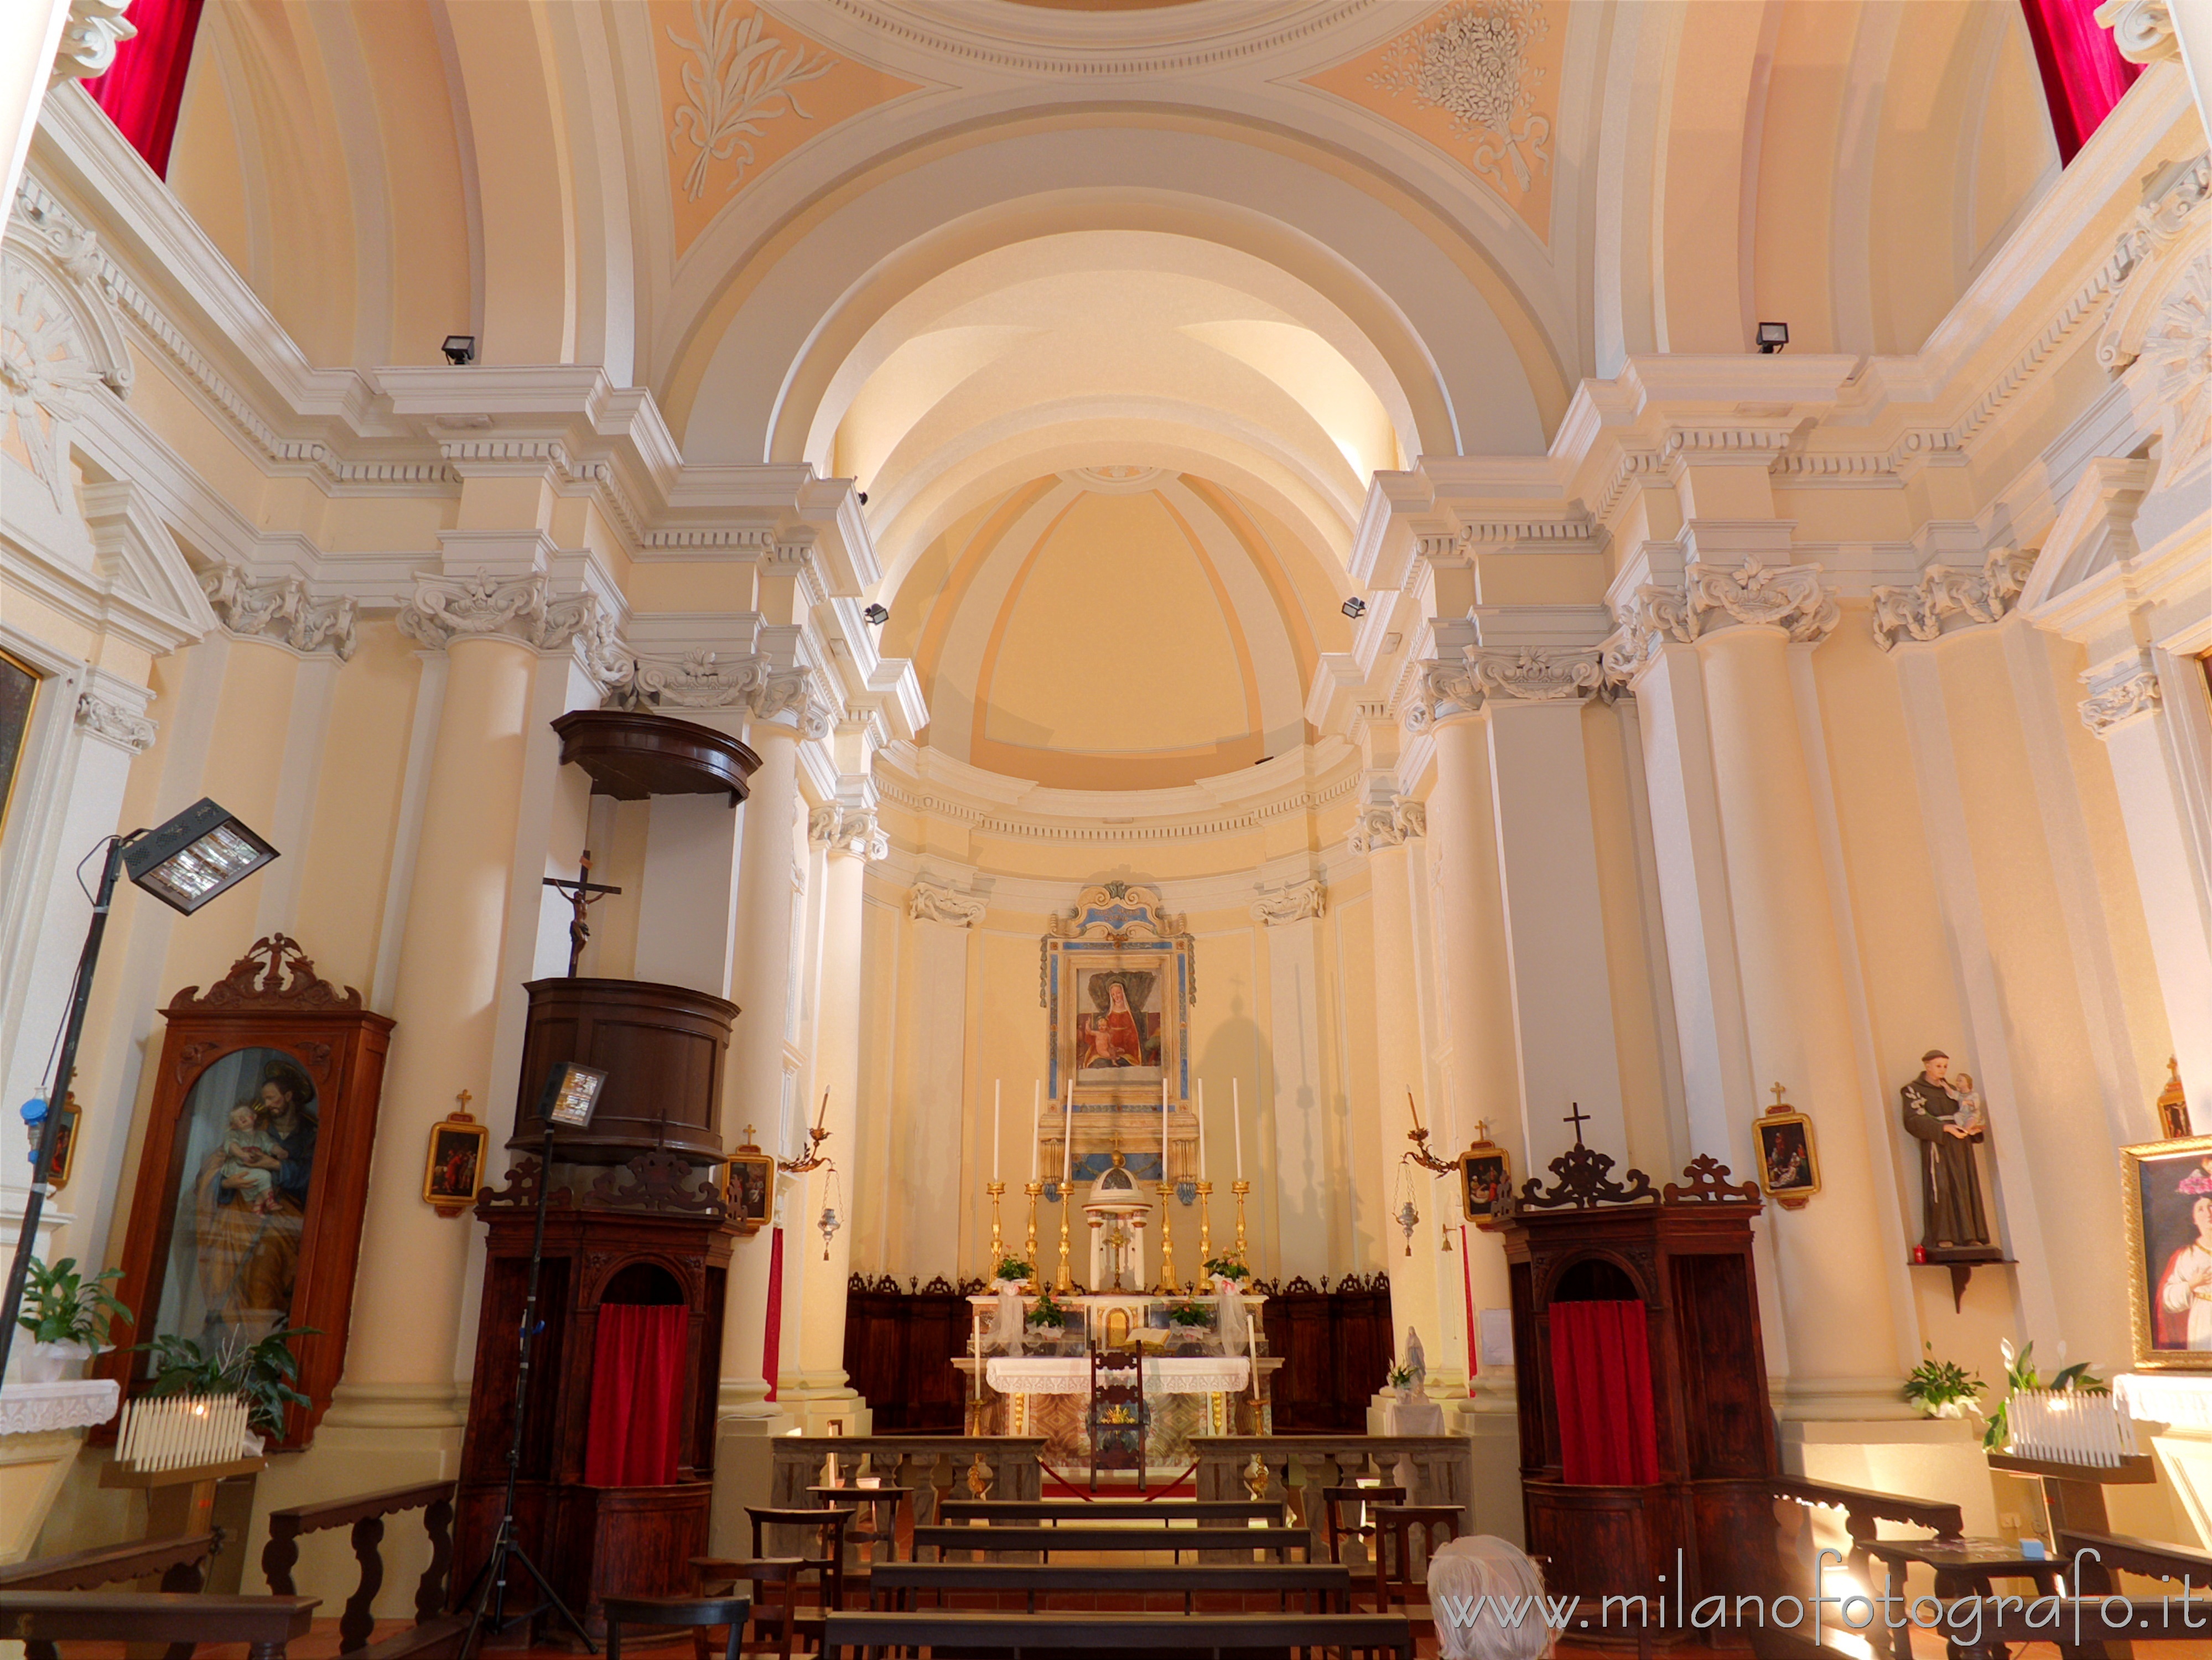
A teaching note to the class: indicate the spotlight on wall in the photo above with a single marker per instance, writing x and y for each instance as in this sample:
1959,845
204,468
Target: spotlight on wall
864,497
460,348
1773,336
875,615
1355,608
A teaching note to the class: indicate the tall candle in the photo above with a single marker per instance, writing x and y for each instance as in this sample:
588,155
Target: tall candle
1236,1123
996,1083
1201,1129
1067,1138
1164,1129
1037,1122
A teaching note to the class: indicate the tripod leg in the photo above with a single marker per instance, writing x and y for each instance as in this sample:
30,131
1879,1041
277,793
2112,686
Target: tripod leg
553,1597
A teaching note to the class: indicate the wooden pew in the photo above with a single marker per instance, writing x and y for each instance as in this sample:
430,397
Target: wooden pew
1044,1541
2117,1551
181,1562
1324,1587
435,1634
40,1619
1017,1636
1031,1511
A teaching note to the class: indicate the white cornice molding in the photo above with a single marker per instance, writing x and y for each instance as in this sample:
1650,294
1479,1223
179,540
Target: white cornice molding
1106,46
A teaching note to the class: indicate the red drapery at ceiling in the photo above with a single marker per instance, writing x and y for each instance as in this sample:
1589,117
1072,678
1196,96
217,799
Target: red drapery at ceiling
2083,73
144,87
1602,1382
637,1387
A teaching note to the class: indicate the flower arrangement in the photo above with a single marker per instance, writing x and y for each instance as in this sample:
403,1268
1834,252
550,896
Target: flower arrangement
1047,1311
1012,1269
1403,1377
1226,1267
1943,1388
2020,1374
60,1306
1190,1314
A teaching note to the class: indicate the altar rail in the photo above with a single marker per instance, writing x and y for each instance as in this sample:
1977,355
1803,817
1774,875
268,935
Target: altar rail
1441,1469
935,1466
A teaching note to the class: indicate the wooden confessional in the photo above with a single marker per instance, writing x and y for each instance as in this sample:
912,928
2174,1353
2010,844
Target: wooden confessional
1617,1281
617,1446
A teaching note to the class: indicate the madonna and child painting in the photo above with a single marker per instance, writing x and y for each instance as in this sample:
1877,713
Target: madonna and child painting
1118,1028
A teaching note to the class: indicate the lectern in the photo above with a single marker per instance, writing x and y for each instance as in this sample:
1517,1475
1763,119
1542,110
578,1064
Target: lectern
1641,1382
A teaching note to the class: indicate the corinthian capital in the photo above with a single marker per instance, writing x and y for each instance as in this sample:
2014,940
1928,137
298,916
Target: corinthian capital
852,831
1787,597
694,680
935,901
1387,824
1537,674
94,29
281,609
1983,596
105,717
2116,699
444,609
790,693
1295,902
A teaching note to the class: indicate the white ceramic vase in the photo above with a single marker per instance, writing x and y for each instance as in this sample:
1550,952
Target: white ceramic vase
47,1363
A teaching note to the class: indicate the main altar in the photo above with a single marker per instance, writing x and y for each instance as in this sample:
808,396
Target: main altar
1037,1380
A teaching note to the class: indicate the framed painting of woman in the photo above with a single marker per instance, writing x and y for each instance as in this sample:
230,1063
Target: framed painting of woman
247,1212
2167,1192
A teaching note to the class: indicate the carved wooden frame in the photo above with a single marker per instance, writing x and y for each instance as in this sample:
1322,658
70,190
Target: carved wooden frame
271,998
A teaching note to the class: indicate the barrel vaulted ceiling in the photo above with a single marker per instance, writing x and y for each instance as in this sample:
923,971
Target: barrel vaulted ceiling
971,254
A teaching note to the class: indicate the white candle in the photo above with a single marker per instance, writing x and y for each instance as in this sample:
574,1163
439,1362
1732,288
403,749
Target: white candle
995,1084
1037,1122
1236,1123
1201,1129
1164,1129
1067,1139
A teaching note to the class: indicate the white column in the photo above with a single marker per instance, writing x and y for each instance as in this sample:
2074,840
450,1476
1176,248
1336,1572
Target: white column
2137,710
1301,1179
926,1139
760,985
33,29
688,905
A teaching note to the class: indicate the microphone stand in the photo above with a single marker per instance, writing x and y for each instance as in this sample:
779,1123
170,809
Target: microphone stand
487,1592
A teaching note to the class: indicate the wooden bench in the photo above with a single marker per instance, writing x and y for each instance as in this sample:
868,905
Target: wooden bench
181,1562
1864,1508
435,1634
1017,1635
1043,1541
1033,1510
1325,1587
2114,1551
40,1619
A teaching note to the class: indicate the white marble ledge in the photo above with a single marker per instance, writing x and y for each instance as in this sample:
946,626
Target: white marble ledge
1218,1374
43,1408
2180,1400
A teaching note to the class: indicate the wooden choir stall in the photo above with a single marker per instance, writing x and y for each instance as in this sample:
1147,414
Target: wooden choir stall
618,1441
1645,1424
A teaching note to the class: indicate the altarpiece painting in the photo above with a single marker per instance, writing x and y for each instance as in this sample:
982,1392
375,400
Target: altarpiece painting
1117,981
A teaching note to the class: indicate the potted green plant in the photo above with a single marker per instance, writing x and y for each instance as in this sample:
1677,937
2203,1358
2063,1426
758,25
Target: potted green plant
66,1314
1012,1270
1189,1320
264,1372
1048,1315
1403,1379
1943,1388
2020,1374
1227,1267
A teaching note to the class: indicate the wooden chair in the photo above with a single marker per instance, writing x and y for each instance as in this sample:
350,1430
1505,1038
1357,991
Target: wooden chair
1335,1501
826,1563
775,1581
1117,1412
1395,1579
701,1613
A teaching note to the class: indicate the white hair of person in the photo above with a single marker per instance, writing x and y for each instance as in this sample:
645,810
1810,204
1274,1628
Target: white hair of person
1465,1572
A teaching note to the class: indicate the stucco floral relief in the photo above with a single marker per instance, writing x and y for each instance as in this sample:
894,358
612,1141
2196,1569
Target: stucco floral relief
741,88
1480,80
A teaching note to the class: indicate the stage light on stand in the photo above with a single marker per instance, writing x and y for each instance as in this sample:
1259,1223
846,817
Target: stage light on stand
201,853
204,851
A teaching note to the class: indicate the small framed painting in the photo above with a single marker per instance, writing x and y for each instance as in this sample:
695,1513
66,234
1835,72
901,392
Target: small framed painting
2168,1196
64,1159
1788,1163
750,1189
451,1173
1486,1181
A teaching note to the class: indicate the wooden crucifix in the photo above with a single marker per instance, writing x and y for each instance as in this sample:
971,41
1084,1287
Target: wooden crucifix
1578,1118
581,894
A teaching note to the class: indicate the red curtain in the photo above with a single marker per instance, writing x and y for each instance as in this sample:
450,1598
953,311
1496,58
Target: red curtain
1602,1381
2083,73
637,1392
144,87
772,1345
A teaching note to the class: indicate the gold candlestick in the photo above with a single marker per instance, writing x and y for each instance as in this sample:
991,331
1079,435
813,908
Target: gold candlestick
1029,1249
1205,1224
997,1249
1239,1188
1064,1279
1167,1245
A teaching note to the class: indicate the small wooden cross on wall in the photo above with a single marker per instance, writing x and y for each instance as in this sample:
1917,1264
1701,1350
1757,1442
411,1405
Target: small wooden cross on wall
582,893
1578,1118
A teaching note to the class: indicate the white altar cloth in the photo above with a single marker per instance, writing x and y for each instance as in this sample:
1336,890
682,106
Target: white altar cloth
1070,1374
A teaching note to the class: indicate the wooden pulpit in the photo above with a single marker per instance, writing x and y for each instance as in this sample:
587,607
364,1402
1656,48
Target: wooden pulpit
1643,1295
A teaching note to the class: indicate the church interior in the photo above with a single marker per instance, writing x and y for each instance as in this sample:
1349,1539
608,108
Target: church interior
1612,948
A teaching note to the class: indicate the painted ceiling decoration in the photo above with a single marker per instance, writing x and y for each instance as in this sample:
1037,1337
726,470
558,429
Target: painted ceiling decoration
1480,80
740,90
